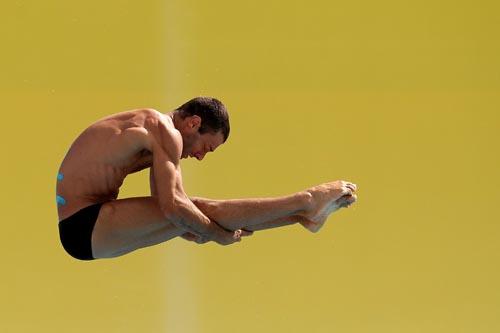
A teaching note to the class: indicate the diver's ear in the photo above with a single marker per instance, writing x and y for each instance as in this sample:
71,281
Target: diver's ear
194,122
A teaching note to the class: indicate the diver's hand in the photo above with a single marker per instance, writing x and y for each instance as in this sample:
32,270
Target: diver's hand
224,238
192,238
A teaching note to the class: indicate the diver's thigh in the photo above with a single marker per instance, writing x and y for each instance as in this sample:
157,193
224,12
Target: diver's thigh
127,224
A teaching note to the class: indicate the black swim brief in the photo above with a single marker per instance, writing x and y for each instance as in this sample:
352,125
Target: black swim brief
76,232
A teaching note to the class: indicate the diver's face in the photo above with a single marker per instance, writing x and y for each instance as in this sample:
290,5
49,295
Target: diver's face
198,145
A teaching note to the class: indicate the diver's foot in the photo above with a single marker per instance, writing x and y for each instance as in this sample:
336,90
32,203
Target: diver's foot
326,199
344,201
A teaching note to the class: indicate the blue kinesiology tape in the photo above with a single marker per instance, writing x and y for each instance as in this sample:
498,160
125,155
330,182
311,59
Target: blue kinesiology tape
60,200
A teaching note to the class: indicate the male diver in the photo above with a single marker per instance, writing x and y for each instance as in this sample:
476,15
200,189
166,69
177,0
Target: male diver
94,224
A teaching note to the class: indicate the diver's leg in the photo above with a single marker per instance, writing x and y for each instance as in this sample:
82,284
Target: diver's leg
344,201
235,214
313,205
126,225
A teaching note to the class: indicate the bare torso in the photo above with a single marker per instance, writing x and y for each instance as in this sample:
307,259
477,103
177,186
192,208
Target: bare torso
100,158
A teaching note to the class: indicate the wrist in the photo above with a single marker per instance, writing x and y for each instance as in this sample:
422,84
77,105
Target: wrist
220,227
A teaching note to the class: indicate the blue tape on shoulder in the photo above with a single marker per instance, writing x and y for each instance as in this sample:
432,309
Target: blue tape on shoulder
60,176
60,200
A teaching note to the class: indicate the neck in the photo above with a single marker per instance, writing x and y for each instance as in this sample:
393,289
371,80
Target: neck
175,118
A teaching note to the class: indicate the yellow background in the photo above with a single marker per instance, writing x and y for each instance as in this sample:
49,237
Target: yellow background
400,97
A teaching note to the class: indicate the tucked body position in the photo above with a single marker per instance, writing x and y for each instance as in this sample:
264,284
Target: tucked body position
94,224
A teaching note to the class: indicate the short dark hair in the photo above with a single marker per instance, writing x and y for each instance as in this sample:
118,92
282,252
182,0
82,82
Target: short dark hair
213,114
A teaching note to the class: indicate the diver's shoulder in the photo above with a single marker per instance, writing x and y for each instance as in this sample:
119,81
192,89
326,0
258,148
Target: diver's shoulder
156,118
161,129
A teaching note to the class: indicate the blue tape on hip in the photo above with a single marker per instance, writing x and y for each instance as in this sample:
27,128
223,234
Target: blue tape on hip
60,200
